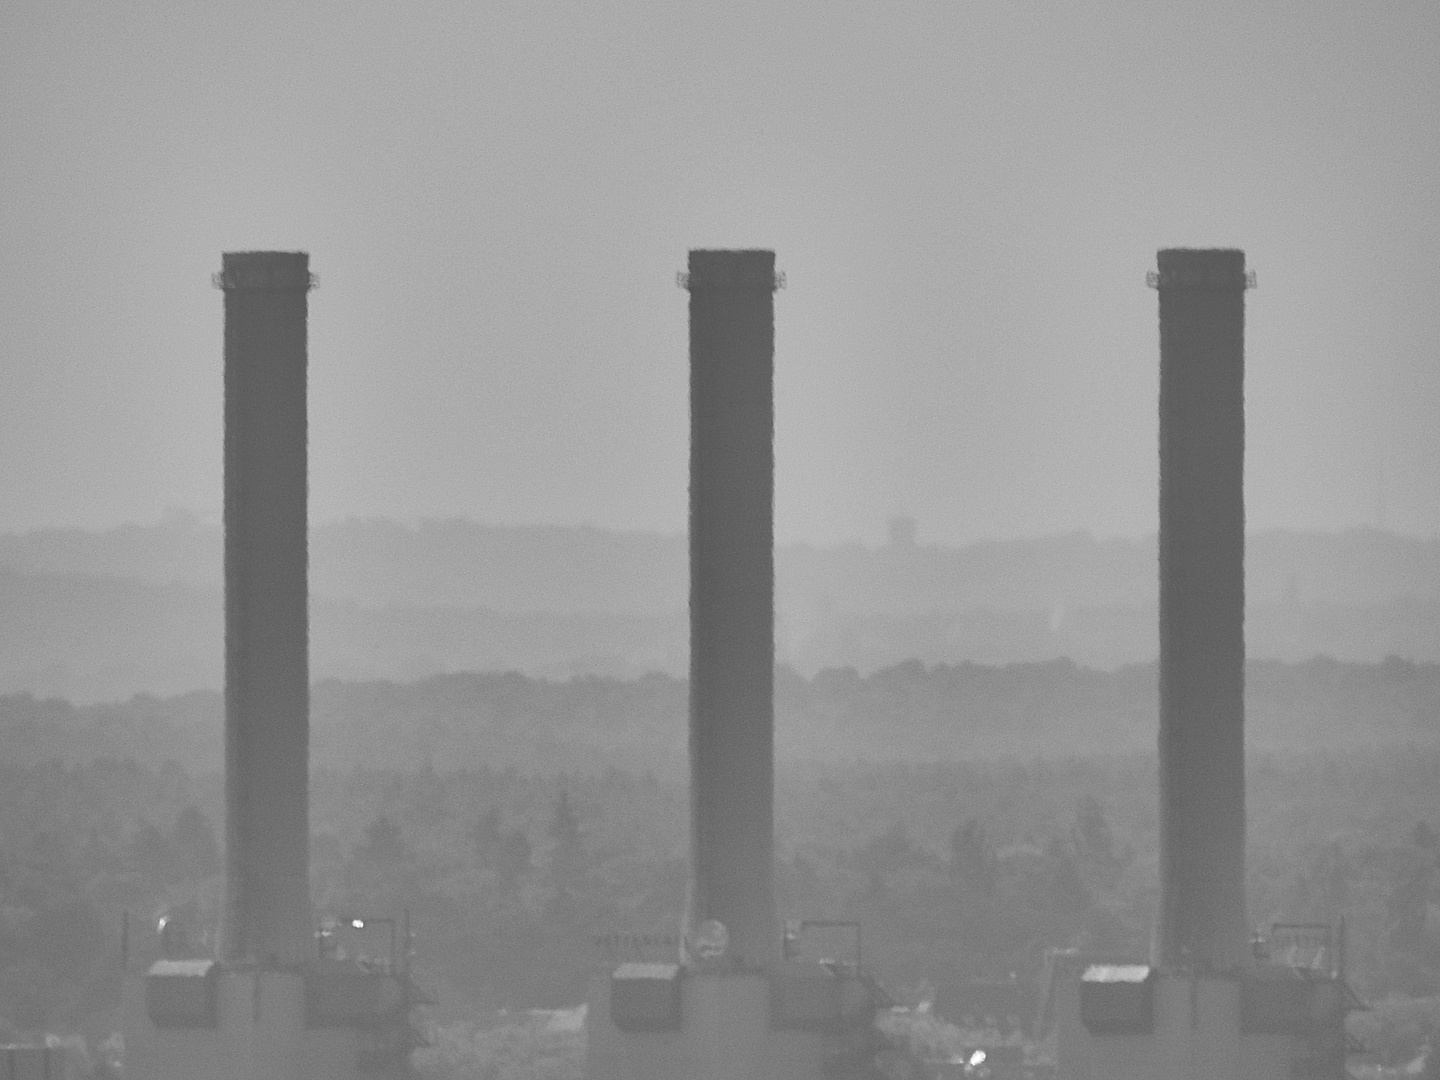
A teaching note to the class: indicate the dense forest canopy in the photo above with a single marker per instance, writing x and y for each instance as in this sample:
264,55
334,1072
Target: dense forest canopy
961,813
911,711
510,876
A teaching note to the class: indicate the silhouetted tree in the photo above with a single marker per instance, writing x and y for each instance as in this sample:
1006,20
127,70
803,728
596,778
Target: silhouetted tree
486,838
1098,857
886,854
192,841
972,861
1094,840
506,852
1064,889
567,858
514,861
1407,904
1321,888
150,852
384,842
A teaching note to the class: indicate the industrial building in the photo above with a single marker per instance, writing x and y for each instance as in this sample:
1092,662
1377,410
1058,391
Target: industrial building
740,999
735,1003
269,1005
1210,1003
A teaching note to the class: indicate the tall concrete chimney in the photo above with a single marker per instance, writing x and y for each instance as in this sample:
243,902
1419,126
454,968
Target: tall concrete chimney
1202,923
267,917
732,598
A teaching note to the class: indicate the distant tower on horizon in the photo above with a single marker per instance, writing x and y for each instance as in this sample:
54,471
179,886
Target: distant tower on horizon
903,531
1380,497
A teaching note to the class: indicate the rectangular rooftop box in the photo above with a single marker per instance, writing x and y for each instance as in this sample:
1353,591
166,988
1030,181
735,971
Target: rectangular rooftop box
1276,1000
181,993
645,997
1118,999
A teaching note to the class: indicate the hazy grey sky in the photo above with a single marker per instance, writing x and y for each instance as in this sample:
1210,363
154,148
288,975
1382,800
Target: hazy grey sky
496,196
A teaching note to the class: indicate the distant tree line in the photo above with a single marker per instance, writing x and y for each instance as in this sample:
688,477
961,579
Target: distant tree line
911,711
514,880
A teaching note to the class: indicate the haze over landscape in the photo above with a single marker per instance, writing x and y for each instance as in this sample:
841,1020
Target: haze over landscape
965,200
99,615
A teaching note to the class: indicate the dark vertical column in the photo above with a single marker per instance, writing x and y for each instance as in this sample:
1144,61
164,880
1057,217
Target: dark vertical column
267,681
1202,921
732,597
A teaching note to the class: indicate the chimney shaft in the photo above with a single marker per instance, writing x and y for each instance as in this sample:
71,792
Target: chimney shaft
267,685
732,595
1202,921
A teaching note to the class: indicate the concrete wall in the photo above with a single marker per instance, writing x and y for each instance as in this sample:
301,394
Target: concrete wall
259,1034
1196,1037
726,1034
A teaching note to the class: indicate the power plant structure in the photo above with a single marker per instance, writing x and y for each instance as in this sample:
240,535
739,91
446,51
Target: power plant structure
1210,1004
739,1000
736,1003
269,1005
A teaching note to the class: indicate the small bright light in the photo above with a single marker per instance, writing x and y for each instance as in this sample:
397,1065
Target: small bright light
358,924
977,1058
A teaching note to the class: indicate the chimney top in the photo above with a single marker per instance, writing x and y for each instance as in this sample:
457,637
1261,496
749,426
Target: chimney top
1200,268
265,270
752,268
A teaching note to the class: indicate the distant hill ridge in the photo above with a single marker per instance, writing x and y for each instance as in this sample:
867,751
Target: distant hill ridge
94,616
531,568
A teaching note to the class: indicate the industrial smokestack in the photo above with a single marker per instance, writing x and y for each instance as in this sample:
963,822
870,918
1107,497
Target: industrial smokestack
267,683
1202,922
732,598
